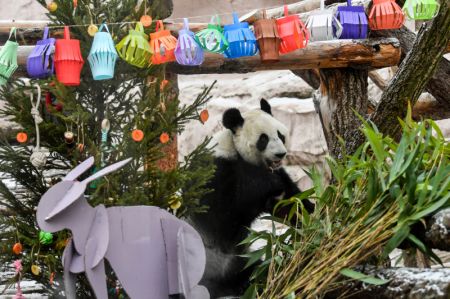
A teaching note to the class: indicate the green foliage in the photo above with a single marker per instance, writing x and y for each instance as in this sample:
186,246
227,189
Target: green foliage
376,197
133,99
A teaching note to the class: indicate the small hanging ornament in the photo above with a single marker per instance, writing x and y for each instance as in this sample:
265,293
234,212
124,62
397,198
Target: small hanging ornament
163,44
323,25
163,84
69,137
134,48
293,33
164,138
137,135
68,60
40,61
52,103
80,147
21,137
75,5
92,30
103,56
212,39
353,20
45,238
175,202
266,33
17,248
385,14
35,269
52,277
241,40
187,51
8,57
421,9
204,116
39,156
146,20
18,270
52,6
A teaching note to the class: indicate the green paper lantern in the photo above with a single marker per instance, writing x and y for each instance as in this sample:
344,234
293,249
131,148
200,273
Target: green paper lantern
421,9
134,48
45,238
8,58
212,39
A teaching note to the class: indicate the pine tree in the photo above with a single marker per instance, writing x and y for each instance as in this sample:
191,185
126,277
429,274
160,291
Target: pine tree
134,99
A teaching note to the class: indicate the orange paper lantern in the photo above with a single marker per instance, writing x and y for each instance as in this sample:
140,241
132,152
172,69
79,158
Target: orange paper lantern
385,14
293,33
164,138
162,44
21,137
137,135
17,248
68,60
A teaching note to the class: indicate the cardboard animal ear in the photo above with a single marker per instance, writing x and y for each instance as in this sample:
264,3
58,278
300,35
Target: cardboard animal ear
106,170
265,106
79,169
232,119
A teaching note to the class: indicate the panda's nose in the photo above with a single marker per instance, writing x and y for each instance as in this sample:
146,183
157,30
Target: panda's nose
280,155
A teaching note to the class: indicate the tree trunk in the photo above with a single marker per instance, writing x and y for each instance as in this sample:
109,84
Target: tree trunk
439,84
414,72
344,92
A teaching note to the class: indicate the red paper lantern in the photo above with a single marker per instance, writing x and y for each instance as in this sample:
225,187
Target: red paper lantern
385,14
293,33
68,60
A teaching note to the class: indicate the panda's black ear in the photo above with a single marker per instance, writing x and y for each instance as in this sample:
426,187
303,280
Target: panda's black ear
265,106
232,119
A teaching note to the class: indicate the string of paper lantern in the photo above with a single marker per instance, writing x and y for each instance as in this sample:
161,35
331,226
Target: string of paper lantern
233,40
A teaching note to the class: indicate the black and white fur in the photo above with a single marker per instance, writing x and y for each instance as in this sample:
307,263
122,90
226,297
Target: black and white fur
247,182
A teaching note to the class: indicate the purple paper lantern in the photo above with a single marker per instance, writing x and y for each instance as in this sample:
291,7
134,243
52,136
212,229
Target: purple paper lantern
188,51
354,21
40,62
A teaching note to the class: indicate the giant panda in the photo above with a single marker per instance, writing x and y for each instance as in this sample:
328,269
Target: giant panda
248,180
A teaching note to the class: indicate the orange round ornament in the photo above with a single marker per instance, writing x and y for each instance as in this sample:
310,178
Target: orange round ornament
17,248
22,137
164,138
163,84
137,135
204,115
146,20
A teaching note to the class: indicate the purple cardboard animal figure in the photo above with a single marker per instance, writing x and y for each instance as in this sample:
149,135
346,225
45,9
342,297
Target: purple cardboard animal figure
153,253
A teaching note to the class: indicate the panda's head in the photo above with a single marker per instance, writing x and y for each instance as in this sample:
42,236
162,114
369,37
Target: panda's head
257,136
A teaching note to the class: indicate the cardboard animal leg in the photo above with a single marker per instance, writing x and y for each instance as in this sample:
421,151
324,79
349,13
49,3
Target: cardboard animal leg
185,259
69,277
96,276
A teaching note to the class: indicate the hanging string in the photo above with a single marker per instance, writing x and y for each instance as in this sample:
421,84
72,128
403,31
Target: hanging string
39,156
134,22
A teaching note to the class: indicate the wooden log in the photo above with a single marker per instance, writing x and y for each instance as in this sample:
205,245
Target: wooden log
371,53
403,283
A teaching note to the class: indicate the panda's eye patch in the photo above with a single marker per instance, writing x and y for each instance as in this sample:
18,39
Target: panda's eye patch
263,140
281,136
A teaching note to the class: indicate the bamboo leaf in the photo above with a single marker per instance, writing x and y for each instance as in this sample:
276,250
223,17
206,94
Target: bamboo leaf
362,277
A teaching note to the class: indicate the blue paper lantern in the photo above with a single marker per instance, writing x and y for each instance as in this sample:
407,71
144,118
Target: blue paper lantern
242,42
103,55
